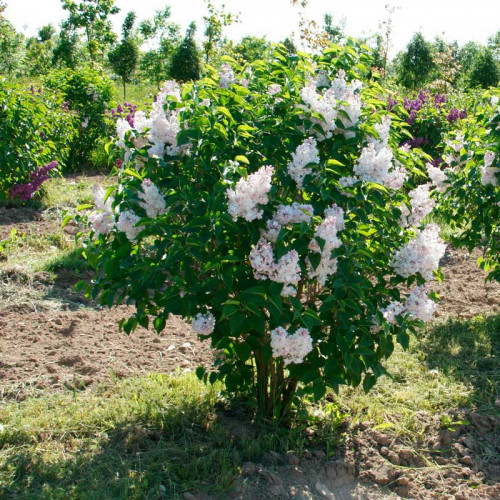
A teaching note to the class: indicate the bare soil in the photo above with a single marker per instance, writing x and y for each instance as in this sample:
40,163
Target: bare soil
50,337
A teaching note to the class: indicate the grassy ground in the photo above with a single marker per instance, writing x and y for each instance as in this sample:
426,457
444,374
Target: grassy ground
159,436
54,248
140,94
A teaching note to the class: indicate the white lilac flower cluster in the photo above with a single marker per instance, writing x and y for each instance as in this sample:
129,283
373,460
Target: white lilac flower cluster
333,222
249,193
286,270
273,89
101,220
305,154
421,206
153,202
375,161
417,304
437,176
127,223
421,254
163,126
339,96
325,105
347,92
286,215
293,348
226,76
203,324
489,173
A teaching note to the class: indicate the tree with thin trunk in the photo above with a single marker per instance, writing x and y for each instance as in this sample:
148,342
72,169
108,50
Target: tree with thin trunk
93,17
125,56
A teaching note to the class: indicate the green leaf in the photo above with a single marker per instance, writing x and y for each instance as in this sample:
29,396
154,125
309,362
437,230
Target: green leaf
243,351
159,323
242,159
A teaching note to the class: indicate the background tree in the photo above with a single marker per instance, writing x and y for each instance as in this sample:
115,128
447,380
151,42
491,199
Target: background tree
335,32
252,48
485,72
125,56
186,64
93,17
447,64
416,64
215,22
163,38
67,48
384,40
290,45
467,55
494,45
39,52
11,45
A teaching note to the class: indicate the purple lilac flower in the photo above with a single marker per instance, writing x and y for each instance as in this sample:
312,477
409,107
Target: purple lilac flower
411,119
463,114
119,163
119,108
423,95
38,177
453,115
439,99
391,102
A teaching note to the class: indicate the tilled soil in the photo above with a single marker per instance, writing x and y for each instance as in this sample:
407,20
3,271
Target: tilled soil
74,349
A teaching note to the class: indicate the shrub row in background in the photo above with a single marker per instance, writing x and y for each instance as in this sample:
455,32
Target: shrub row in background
37,129
87,93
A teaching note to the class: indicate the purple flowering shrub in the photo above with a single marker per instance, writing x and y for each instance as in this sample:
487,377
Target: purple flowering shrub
273,209
36,130
470,191
429,118
37,178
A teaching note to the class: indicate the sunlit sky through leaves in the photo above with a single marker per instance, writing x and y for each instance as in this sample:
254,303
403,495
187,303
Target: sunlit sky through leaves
276,19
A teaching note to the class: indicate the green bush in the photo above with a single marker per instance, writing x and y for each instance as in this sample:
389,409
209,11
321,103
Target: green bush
36,130
87,92
470,198
272,208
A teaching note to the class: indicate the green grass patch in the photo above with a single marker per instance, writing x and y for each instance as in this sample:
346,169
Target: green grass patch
69,193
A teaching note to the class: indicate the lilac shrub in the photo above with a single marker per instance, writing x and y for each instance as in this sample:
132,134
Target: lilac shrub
264,205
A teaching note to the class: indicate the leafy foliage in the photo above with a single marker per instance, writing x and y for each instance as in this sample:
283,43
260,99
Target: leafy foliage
470,203
193,258
87,92
35,130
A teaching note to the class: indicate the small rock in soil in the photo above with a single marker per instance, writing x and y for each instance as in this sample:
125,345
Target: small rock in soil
383,475
271,458
393,457
467,460
381,439
324,491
